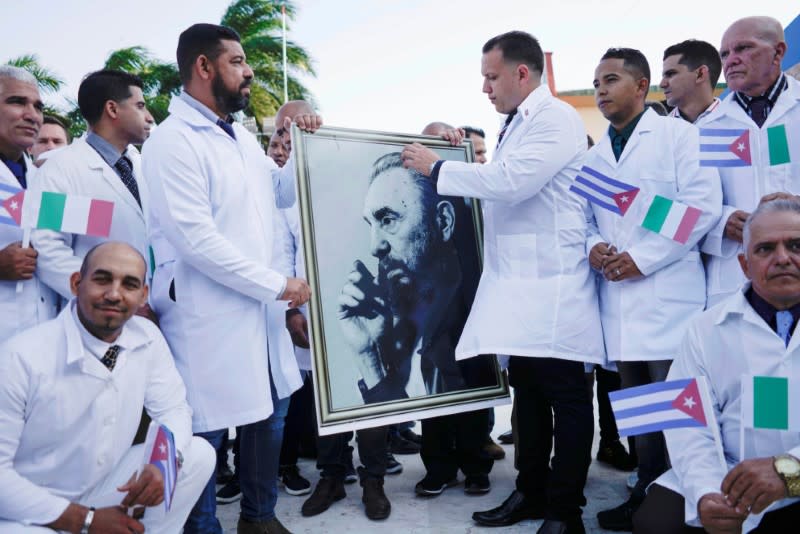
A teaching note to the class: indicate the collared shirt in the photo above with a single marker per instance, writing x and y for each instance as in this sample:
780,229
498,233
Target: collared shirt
95,346
677,113
767,311
18,169
770,94
107,151
620,138
205,111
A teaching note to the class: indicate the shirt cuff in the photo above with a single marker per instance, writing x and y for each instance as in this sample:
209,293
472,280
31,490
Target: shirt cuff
283,288
434,174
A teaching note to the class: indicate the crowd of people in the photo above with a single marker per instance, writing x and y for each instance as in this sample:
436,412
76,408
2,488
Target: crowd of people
191,311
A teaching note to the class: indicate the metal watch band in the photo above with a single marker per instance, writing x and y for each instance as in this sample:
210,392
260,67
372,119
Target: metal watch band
87,522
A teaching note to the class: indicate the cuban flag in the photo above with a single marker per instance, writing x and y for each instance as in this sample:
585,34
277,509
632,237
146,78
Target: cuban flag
661,406
160,451
725,147
11,202
604,191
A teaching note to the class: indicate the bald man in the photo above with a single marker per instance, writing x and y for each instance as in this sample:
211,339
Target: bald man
752,137
283,120
70,402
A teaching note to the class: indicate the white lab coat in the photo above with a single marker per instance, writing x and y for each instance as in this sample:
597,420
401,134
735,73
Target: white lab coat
67,420
80,170
214,202
36,302
724,343
743,187
644,319
536,296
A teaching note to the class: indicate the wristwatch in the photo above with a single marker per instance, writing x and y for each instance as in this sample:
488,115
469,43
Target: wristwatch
87,522
788,468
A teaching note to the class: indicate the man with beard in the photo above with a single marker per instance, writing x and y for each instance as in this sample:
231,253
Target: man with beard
214,202
398,321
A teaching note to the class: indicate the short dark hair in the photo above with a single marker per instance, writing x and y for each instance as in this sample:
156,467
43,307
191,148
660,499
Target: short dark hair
633,61
469,130
49,119
101,86
201,40
520,47
694,54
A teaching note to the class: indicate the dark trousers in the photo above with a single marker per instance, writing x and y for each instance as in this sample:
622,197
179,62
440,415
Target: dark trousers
454,442
300,421
607,381
662,512
651,450
333,453
553,411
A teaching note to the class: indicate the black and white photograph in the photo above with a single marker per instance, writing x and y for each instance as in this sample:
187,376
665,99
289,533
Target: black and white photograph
393,268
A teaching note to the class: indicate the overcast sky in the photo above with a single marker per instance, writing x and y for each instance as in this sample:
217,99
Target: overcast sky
387,65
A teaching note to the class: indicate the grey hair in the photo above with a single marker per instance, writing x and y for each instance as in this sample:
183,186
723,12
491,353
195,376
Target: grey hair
777,205
16,73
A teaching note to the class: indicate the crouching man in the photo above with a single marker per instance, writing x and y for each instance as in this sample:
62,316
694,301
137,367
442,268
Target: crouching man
71,398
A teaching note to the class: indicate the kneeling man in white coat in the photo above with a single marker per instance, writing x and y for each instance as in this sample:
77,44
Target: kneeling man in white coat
747,334
70,403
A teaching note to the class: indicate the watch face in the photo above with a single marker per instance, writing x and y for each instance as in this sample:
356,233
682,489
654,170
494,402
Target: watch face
787,467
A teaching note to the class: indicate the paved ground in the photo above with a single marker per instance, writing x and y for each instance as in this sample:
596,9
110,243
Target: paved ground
449,513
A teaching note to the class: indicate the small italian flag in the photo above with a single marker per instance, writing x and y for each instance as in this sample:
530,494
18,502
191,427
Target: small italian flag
778,145
670,218
770,402
73,214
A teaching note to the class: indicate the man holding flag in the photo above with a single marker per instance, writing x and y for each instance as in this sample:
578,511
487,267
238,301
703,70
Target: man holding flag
20,120
740,346
70,401
752,138
652,203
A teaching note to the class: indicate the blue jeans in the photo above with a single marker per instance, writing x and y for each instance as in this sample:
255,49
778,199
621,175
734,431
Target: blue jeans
258,474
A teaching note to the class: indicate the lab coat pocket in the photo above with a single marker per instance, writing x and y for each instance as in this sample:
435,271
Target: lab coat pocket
682,281
516,256
659,183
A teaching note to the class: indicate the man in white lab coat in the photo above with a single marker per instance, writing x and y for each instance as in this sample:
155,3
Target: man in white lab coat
652,284
689,77
99,166
752,137
748,334
70,401
213,194
20,120
536,299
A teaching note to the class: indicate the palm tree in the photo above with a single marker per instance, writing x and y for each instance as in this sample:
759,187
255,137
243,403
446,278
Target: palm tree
160,79
259,23
49,82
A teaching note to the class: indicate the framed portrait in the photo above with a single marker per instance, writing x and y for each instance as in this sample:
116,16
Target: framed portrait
393,269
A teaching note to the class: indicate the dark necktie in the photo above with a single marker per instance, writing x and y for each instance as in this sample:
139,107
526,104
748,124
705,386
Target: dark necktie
110,358
618,145
18,169
227,127
505,127
123,166
759,109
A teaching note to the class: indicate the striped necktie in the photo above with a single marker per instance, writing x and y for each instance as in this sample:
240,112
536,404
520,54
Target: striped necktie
505,127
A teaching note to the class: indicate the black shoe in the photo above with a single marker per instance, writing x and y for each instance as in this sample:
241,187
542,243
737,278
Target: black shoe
400,445
410,435
273,526
506,438
327,492
621,517
614,454
230,492
293,482
224,475
513,510
554,526
428,487
393,467
477,484
376,504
